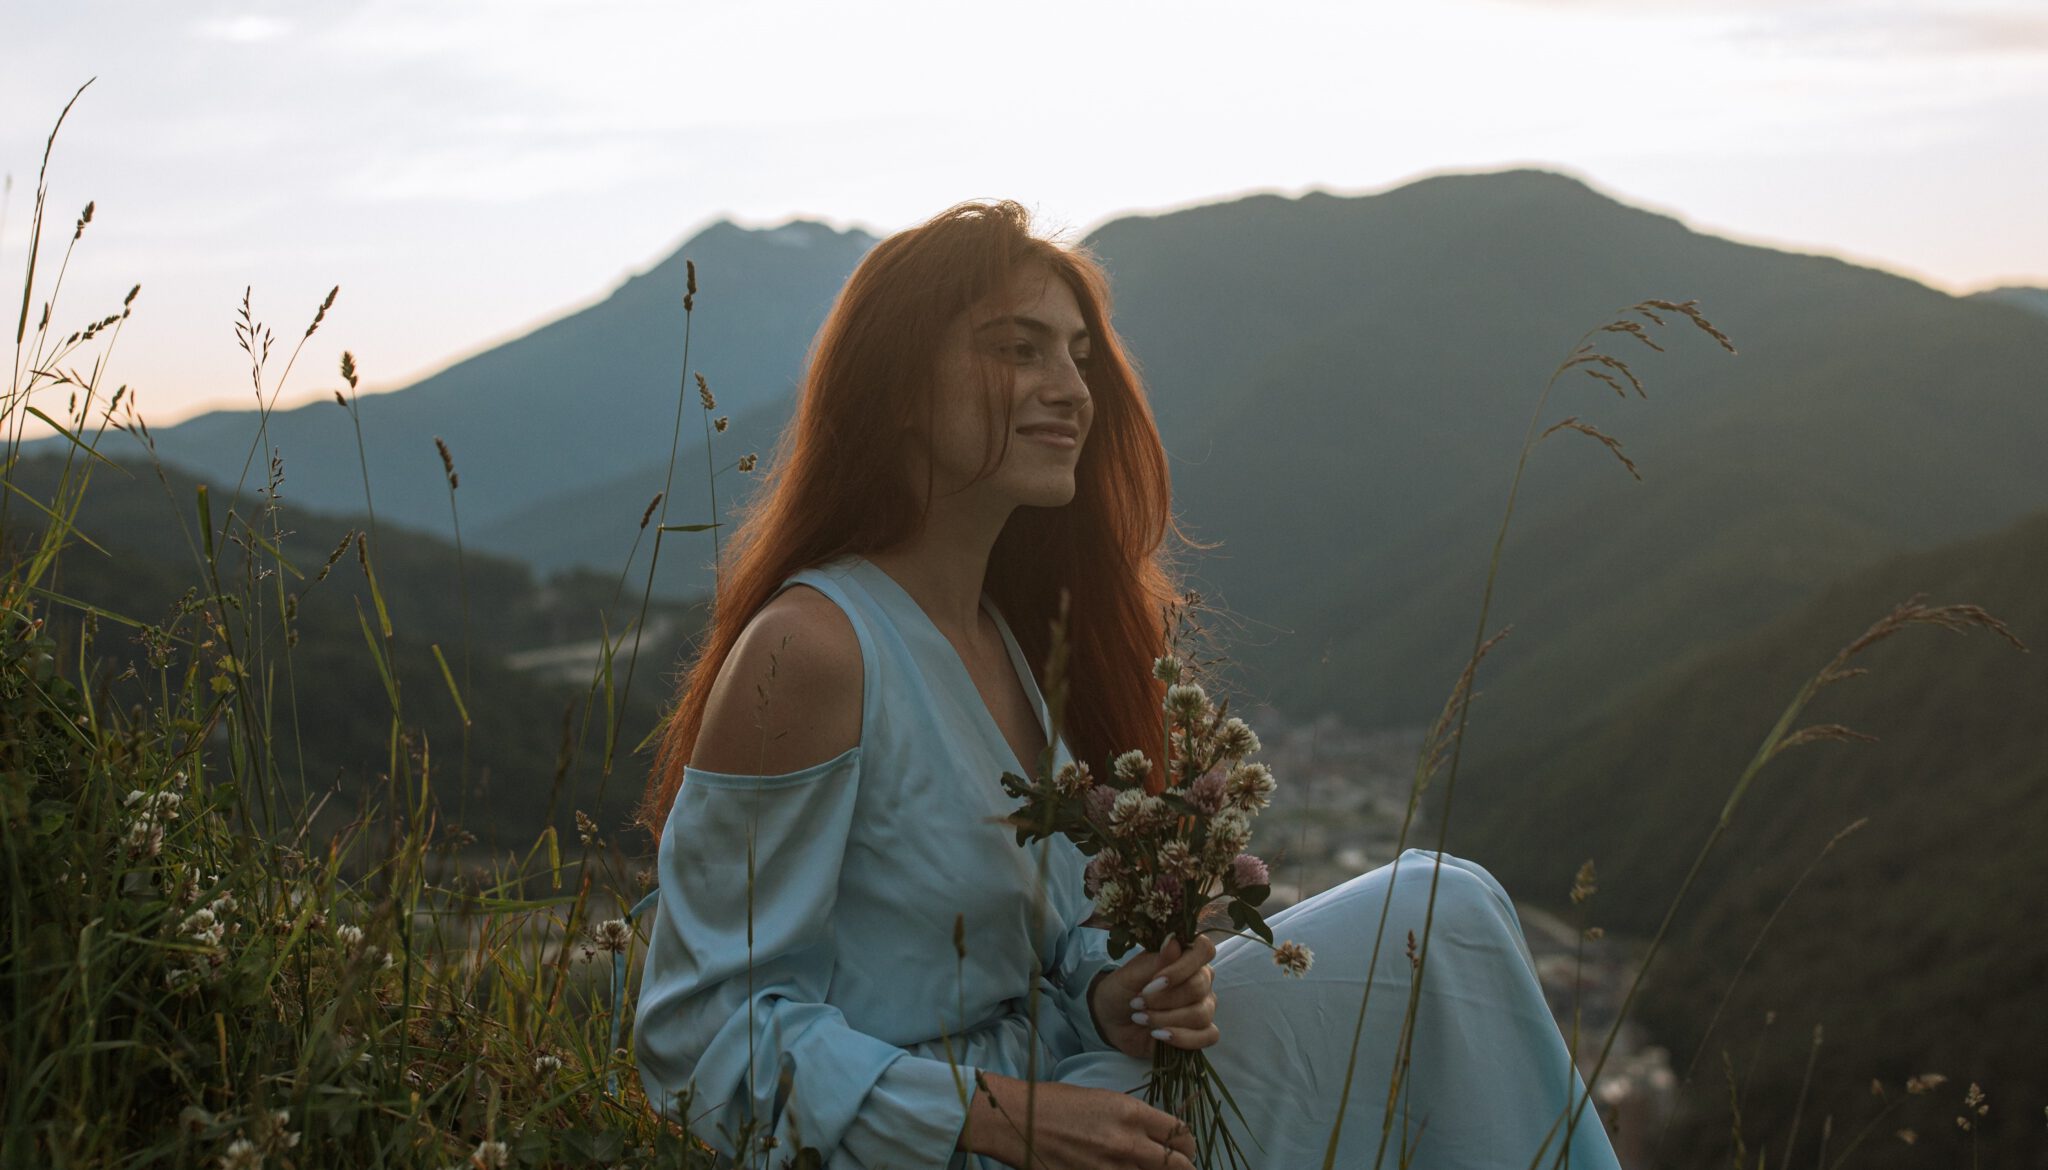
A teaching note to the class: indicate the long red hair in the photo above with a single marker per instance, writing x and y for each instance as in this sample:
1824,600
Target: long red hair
837,485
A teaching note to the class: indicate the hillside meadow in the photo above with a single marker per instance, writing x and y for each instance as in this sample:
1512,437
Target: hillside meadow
302,872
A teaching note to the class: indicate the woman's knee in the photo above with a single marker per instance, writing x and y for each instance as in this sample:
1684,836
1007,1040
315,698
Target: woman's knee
1460,888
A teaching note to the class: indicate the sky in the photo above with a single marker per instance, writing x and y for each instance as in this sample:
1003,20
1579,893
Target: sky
467,170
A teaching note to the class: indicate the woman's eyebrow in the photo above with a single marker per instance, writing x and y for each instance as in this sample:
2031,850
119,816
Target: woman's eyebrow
1030,324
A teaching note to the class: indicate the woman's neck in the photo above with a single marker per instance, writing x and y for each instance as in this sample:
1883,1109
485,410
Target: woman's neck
944,567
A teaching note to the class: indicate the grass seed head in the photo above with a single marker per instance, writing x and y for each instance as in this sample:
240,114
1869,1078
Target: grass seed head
447,462
1610,441
1583,885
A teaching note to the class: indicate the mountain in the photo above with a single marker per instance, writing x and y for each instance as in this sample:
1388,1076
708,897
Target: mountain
1357,477
2033,300
570,404
1915,943
1342,384
329,709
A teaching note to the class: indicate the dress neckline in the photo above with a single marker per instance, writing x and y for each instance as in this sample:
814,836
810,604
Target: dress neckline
875,574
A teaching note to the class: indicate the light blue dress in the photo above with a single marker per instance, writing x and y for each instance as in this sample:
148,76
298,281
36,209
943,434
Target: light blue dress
832,1026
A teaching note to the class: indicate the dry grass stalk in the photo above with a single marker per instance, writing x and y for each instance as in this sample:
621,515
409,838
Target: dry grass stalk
1612,443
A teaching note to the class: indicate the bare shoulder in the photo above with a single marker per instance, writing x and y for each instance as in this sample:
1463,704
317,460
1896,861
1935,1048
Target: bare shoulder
789,694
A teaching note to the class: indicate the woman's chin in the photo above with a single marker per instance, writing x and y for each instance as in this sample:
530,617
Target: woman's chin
1053,496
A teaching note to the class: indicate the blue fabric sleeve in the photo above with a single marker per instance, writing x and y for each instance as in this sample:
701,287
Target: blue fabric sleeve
761,1042
1083,951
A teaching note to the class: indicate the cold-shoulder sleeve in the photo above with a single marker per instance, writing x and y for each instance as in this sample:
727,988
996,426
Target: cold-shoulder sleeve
763,1043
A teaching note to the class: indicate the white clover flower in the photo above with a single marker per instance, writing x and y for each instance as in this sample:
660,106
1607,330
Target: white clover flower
1132,767
193,1119
1155,815
1127,815
145,837
349,936
202,927
1110,899
1166,668
1160,905
1229,833
1250,786
181,980
1186,702
491,1155
613,935
1293,958
1097,871
547,1064
278,1136
242,1154
1236,739
1072,778
1176,858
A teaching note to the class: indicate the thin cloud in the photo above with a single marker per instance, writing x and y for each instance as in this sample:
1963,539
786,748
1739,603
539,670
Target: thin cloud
1904,32
1839,28
241,30
486,172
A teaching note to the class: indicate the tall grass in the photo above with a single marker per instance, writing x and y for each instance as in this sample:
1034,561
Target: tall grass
196,976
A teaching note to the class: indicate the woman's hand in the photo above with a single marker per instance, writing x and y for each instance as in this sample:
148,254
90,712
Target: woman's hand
1074,1128
1167,991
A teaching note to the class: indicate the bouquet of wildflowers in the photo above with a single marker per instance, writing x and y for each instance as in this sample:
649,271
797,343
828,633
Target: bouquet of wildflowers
1163,849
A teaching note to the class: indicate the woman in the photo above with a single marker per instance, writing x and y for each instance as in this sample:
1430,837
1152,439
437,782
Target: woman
846,940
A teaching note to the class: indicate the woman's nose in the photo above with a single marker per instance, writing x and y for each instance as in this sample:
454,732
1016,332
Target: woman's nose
1069,385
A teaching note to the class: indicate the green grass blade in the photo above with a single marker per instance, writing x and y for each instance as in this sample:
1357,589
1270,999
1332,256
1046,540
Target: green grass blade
377,656
67,525
74,439
448,677
206,521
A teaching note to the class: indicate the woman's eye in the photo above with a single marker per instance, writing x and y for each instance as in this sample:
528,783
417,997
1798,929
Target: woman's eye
1028,351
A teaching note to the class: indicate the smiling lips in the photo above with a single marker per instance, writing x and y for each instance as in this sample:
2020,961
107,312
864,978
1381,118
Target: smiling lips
1055,434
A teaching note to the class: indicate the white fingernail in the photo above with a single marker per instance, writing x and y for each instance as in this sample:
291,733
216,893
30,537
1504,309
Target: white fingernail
1137,1002
1141,1018
1161,1034
1155,985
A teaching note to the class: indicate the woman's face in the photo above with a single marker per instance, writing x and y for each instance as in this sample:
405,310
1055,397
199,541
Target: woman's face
1035,331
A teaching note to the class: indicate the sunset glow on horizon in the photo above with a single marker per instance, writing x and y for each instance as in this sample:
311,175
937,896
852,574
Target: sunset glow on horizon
466,172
